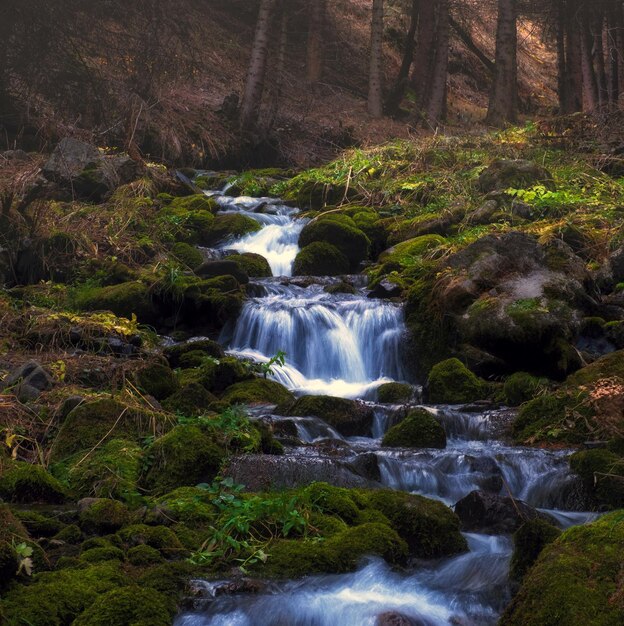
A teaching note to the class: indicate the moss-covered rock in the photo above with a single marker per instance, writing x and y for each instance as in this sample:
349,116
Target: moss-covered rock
521,387
8,564
430,529
58,598
334,501
418,430
217,375
228,226
38,524
91,423
190,505
142,555
258,390
129,606
191,399
124,299
195,202
529,541
254,265
602,472
576,579
103,516
188,255
451,382
100,555
157,380
160,538
27,483
175,352
320,259
350,240
184,456
503,174
395,393
348,417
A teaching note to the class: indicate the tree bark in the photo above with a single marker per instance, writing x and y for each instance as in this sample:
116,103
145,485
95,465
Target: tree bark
393,101
504,94
375,95
254,84
615,63
472,46
574,74
314,63
590,82
561,58
280,69
436,108
599,54
423,57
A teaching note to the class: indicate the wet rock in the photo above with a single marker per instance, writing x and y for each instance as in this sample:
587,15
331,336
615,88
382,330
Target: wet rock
492,481
386,289
260,472
28,381
367,466
515,174
211,269
493,514
243,585
391,618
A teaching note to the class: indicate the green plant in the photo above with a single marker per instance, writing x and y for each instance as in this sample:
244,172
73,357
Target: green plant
266,368
24,553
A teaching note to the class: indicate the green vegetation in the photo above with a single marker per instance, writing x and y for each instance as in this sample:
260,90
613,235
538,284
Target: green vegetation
451,382
418,430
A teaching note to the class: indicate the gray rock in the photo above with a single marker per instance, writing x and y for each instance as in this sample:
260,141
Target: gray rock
69,159
28,381
386,289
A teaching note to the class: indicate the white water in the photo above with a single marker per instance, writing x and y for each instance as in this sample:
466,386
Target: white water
347,346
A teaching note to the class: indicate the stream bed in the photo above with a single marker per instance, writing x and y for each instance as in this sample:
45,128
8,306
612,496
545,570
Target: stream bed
347,345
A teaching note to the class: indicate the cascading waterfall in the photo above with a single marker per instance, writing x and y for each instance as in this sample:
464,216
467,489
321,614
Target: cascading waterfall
347,345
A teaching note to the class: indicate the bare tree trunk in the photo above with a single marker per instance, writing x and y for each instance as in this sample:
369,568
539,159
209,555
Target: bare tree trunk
423,57
574,75
436,108
393,101
614,34
314,63
464,35
375,95
254,85
280,68
504,95
561,58
590,84
601,71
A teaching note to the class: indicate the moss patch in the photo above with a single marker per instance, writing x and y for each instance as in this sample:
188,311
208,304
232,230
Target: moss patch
258,390
26,483
451,382
418,430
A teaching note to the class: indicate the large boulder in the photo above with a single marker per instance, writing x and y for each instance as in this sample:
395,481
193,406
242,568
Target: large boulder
320,259
418,430
493,514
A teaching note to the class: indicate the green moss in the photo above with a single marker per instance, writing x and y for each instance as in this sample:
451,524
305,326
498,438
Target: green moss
99,555
26,483
187,504
170,579
395,393
130,606
341,287
254,265
529,540
258,390
351,241
8,564
332,501
451,382
104,516
157,380
602,472
429,528
521,387
177,351
124,300
184,456
158,537
110,471
58,598
411,252
230,226
320,259
11,529
217,376
576,579
179,224
191,399
144,555
39,525
418,430
70,534
195,202
188,255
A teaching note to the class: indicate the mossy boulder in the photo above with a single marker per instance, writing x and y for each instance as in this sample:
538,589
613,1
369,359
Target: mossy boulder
212,269
529,541
320,259
576,579
160,538
129,606
336,501
144,555
8,564
602,472
100,555
521,387
411,253
217,375
58,598
192,399
190,505
195,202
418,430
103,516
110,471
258,390
184,456
124,300
350,240
187,255
348,417
429,528
228,226
254,265
157,380
92,423
38,524
28,483
187,226
175,352
504,174
451,382
395,393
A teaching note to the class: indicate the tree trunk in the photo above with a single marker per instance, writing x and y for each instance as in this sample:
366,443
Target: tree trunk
574,73
398,91
504,95
314,63
254,84
590,83
375,95
423,57
599,48
280,68
436,108
615,63
561,58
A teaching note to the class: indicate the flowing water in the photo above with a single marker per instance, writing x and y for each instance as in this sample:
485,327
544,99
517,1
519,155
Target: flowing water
347,345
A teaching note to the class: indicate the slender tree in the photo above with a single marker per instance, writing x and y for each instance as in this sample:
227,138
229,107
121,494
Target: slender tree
436,105
504,94
375,92
423,56
314,64
254,84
